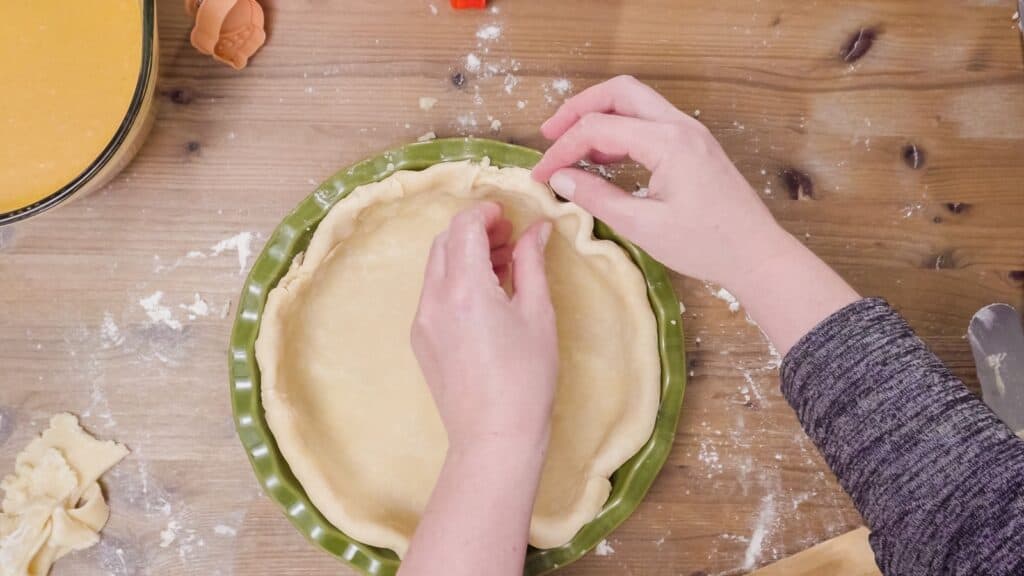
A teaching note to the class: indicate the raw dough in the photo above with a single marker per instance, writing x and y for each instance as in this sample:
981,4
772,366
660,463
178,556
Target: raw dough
345,398
53,504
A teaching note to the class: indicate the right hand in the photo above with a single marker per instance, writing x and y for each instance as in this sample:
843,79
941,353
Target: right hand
701,217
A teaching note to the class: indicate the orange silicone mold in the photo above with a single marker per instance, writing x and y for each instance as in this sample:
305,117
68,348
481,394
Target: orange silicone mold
229,30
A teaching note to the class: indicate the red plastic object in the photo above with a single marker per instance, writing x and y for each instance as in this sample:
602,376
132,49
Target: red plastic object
463,4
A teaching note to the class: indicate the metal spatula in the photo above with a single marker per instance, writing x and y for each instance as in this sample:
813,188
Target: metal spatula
997,341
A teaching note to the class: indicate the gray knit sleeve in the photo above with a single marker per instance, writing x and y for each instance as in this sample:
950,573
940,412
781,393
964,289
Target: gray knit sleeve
938,478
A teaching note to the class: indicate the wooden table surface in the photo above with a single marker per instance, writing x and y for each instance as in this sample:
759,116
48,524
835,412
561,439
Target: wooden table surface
901,164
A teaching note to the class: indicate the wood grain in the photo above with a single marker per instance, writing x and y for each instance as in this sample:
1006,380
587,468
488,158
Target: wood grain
939,234
849,554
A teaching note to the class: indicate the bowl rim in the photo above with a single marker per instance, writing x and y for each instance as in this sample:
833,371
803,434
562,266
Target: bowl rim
131,115
630,482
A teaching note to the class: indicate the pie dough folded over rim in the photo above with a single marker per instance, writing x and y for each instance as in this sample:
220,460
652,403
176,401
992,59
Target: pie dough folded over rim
356,510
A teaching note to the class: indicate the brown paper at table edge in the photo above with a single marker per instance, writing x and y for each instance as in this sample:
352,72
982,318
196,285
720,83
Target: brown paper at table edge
229,30
846,555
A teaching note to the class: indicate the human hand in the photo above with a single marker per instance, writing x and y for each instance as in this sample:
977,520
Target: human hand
490,360
701,217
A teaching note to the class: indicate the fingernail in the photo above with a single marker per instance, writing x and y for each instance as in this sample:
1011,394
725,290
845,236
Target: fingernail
544,234
563,184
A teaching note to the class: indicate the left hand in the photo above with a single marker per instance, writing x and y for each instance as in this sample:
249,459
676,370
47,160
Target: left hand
490,360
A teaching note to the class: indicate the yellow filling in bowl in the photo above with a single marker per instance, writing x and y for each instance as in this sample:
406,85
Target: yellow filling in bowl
68,70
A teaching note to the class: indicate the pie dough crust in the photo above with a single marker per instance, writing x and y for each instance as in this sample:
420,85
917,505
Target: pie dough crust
53,504
344,396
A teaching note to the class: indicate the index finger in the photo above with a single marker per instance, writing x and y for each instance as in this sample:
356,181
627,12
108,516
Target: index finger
623,95
642,140
469,247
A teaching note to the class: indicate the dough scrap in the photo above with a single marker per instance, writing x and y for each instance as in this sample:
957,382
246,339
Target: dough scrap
347,403
52,503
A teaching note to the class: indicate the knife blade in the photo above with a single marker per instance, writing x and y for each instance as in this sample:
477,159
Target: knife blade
997,342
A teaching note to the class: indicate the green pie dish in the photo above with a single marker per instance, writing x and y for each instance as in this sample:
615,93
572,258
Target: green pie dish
629,483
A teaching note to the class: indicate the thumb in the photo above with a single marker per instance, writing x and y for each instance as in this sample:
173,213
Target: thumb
528,275
602,199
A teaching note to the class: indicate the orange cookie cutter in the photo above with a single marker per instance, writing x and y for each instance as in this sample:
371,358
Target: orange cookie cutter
229,30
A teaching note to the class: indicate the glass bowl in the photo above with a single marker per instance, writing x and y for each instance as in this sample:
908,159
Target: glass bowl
128,138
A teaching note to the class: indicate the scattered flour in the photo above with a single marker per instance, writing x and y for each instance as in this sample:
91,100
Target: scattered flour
467,120
433,10
485,71
99,406
158,313
109,332
561,85
427,137
910,209
727,296
765,521
186,540
241,243
709,457
510,83
723,453
113,559
222,530
752,386
774,358
604,549
489,32
170,534
197,308
495,125
556,90
427,102
180,535
188,544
